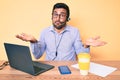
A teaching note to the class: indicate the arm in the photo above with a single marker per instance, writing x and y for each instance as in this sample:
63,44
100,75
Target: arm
37,49
79,46
36,46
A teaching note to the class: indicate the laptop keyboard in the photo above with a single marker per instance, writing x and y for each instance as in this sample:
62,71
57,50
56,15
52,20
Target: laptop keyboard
36,68
41,65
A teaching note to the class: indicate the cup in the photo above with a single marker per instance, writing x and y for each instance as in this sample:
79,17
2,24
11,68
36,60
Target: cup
84,63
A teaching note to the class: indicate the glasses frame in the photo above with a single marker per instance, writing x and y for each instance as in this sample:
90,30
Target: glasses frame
61,16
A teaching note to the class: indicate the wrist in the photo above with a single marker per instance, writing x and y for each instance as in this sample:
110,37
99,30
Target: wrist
33,41
86,46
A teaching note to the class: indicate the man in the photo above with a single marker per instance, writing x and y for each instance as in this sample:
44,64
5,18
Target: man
60,41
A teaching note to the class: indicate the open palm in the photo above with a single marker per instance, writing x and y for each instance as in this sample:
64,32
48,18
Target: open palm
26,37
95,42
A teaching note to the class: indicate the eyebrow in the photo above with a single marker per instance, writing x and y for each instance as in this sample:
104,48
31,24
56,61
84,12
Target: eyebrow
61,12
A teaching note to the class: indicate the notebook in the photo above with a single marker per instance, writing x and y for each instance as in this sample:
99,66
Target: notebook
19,57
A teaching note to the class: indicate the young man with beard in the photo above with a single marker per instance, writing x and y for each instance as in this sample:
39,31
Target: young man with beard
60,41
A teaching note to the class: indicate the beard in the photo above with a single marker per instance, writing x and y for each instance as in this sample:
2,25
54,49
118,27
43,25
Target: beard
59,25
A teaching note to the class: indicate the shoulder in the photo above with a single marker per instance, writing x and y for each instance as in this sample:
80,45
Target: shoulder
47,29
72,29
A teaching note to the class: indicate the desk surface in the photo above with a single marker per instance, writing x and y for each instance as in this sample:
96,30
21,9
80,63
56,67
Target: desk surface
9,73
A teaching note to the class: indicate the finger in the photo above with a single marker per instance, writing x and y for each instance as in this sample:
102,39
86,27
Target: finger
22,34
97,37
103,43
18,35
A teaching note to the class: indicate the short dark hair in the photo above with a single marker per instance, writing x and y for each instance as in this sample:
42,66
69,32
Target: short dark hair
62,5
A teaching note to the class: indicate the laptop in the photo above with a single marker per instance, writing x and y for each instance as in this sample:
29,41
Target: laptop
19,57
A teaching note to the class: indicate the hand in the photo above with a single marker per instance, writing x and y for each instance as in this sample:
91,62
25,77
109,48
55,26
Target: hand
95,42
26,37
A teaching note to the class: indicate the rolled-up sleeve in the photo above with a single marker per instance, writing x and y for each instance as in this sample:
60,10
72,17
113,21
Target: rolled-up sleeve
78,45
39,47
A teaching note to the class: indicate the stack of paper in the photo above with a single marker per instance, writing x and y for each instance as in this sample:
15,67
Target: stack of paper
98,69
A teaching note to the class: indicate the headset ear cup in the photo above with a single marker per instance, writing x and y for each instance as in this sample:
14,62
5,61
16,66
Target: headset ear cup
68,19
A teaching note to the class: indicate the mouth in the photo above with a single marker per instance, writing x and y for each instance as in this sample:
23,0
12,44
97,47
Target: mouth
57,22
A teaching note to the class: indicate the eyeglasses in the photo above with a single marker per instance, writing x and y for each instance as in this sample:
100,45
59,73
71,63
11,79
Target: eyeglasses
55,15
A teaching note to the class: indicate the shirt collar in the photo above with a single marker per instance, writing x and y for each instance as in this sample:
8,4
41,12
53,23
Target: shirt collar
66,28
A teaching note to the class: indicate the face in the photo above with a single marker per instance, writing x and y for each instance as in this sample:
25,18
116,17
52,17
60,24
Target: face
59,18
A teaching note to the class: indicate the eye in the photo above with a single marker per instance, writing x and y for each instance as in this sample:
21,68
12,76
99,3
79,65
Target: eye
55,15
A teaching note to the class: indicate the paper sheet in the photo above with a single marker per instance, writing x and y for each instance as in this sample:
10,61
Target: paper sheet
98,69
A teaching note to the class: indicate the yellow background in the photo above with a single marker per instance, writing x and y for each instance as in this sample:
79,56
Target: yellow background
92,17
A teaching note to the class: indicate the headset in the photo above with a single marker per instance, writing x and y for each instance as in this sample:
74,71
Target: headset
68,19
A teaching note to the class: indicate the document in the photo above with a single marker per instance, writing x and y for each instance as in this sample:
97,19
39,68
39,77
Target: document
98,69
